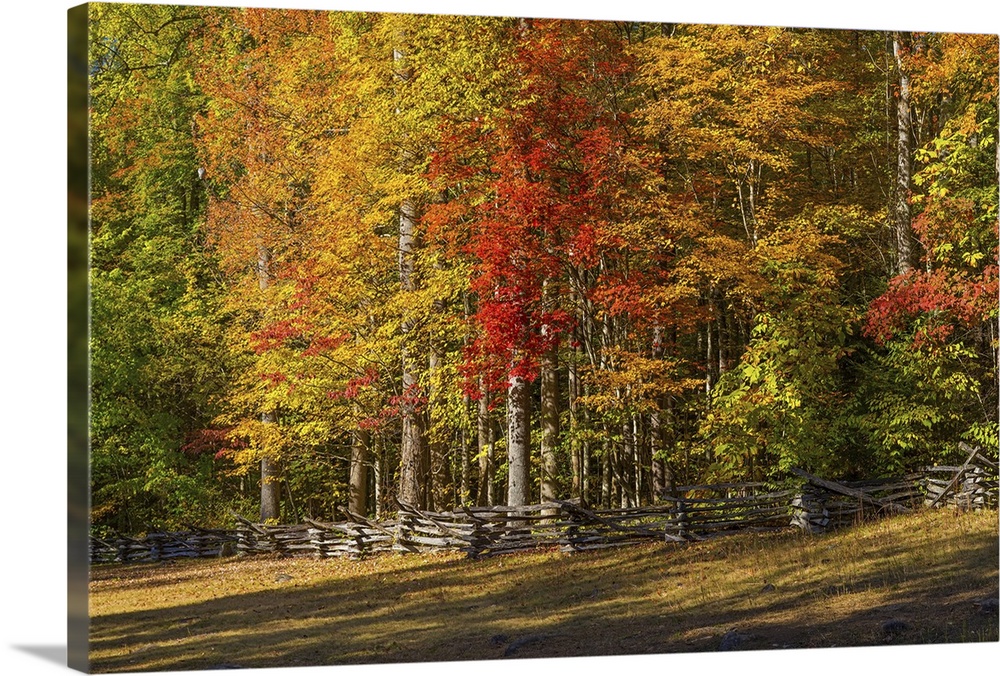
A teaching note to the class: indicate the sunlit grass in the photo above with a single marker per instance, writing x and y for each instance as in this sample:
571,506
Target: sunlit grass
925,570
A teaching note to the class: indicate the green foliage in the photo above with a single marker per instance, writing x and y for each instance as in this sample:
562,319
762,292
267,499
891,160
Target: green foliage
779,407
915,405
157,364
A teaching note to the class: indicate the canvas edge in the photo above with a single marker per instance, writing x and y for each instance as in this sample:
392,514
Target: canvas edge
78,320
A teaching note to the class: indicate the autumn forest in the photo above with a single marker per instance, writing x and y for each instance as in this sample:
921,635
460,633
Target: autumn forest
341,259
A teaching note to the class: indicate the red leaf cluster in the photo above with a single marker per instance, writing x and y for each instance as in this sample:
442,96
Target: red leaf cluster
543,201
275,335
319,344
211,440
946,299
354,386
274,378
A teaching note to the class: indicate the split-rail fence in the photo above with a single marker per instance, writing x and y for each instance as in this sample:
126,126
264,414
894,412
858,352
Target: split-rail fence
682,514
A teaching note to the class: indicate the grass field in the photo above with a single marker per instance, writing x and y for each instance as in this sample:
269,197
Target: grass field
906,580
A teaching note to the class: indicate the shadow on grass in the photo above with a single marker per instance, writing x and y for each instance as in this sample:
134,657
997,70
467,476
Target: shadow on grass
846,589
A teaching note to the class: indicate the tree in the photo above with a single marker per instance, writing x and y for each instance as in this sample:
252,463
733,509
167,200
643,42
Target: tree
530,216
258,145
940,318
156,360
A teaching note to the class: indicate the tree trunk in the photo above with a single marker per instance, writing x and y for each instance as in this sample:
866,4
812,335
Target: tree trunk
904,242
518,442
606,470
550,426
485,446
722,333
995,351
709,363
586,485
656,451
438,480
270,482
270,486
412,445
357,500
380,480
465,469
576,461
656,424
627,464
412,467
411,453
643,464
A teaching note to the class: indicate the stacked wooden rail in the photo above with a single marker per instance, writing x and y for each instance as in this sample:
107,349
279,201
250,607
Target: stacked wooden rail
705,511
825,505
972,485
683,514
194,543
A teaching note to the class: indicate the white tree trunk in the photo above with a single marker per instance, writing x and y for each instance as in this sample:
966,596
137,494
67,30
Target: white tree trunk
518,442
903,216
270,486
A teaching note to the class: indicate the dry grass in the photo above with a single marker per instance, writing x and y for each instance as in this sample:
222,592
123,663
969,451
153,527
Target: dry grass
924,572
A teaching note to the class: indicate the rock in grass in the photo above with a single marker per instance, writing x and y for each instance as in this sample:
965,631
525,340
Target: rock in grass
284,577
732,640
767,588
521,642
987,606
893,627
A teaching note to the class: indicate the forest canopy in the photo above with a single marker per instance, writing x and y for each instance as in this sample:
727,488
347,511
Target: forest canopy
340,259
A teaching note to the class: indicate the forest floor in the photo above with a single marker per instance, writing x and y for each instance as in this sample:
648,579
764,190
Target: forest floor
913,579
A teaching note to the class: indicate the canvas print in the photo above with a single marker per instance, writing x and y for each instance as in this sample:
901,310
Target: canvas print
427,338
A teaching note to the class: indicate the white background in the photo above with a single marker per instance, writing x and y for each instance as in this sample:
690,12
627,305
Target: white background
33,326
